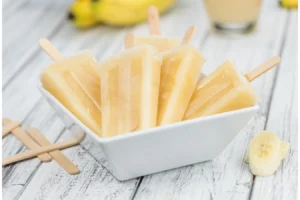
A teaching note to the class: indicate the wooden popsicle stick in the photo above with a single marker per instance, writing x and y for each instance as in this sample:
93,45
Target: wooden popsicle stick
48,47
129,41
7,128
269,64
188,35
27,141
153,21
57,155
41,150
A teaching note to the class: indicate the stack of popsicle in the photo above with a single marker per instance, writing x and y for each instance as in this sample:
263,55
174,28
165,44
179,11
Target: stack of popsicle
152,83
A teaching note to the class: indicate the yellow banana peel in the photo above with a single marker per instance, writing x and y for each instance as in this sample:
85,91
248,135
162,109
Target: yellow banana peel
289,3
87,13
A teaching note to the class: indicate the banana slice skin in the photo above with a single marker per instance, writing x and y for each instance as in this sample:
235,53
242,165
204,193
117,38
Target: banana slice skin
265,153
284,149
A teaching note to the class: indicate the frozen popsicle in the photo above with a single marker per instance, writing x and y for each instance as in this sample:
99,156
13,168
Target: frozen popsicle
226,89
179,74
75,82
129,90
154,39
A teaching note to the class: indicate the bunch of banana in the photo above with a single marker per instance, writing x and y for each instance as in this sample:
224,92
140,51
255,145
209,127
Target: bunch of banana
266,152
87,13
289,3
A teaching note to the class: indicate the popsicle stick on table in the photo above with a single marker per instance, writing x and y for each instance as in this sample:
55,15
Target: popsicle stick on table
41,150
9,127
57,155
27,141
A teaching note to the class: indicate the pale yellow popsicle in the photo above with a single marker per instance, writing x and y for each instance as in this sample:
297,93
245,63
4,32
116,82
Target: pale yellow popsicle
129,90
76,84
223,90
179,74
154,39
159,42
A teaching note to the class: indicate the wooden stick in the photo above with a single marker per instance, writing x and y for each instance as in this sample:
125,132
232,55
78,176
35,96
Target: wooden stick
129,41
153,21
27,141
188,35
269,64
32,153
7,128
57,155
47,46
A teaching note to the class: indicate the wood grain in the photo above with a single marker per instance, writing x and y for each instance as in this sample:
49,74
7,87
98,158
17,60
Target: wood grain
283,120
226,177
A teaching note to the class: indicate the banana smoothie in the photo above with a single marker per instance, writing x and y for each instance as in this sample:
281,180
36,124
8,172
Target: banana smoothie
233,15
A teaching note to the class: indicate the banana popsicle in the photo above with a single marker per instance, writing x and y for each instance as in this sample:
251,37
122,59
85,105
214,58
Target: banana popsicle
74,81
129,90
154,39
179,75
225,89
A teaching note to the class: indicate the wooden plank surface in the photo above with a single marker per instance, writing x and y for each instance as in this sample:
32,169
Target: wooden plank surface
23,27
283,120
226,176
18,177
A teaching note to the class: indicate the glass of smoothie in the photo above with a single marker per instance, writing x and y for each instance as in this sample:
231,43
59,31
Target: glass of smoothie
235,16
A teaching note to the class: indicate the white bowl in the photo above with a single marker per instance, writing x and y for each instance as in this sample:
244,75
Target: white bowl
162,148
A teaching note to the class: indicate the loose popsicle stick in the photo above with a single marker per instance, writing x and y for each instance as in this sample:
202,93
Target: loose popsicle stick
269,64
153,21
9,127
57,155
188,35
129,41
48,47
41,150
27,141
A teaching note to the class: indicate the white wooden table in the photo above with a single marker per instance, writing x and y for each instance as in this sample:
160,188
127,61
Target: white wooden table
226,177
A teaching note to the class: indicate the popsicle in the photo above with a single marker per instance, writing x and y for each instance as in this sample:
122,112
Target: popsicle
129,89
179,74
160,42
226,89
75,82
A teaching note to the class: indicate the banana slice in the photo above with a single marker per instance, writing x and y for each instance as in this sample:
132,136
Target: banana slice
246,159
284,149
264,154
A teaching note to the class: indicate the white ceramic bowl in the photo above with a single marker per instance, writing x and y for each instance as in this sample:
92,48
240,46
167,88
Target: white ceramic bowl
162,148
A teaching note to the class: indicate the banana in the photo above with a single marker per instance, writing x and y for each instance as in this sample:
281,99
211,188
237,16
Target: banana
284,149
289,3
86,13
81,15
126,12
265,153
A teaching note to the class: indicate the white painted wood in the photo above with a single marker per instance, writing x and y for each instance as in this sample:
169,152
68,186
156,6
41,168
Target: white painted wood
283,121
93,182
15,94
227,176
22,91
15,177
22,30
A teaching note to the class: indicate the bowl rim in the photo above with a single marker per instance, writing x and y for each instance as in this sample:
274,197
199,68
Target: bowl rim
140,132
